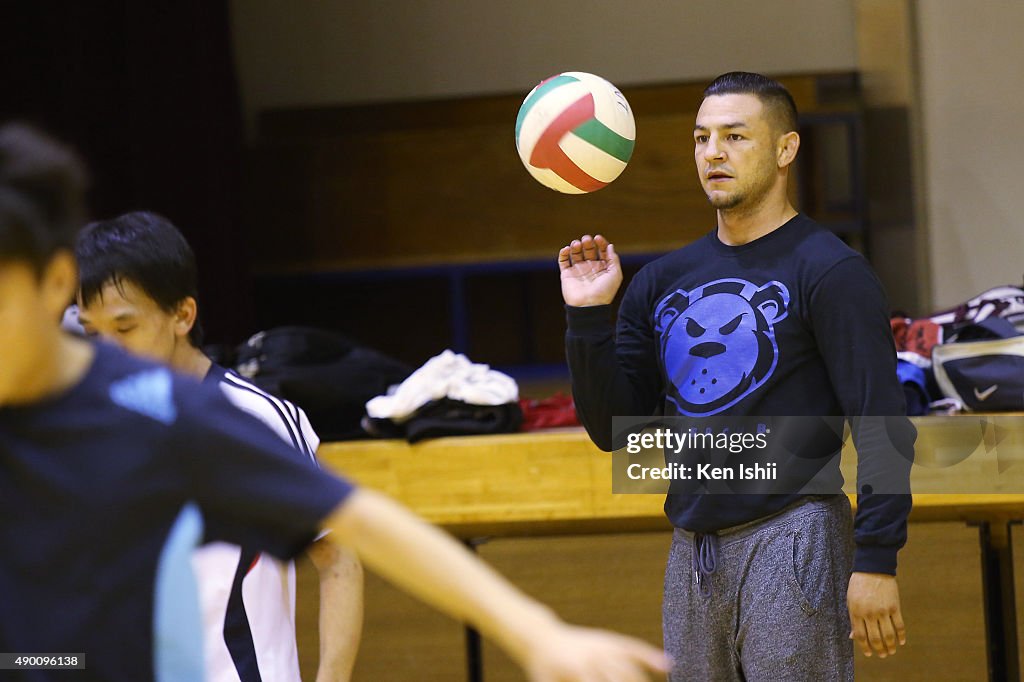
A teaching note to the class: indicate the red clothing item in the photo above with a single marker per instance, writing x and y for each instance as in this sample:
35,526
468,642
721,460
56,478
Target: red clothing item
548,413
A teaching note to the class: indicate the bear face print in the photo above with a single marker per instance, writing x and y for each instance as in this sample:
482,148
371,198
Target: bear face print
717,342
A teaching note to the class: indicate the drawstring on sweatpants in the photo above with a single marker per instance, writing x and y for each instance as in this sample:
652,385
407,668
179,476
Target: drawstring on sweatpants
705,560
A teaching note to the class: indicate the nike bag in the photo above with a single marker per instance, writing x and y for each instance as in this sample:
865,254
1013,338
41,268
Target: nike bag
983,375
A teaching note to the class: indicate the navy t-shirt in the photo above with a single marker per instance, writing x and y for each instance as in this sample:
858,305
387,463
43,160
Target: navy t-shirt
794,323
103,490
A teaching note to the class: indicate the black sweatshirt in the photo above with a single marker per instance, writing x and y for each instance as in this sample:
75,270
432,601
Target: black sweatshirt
792,324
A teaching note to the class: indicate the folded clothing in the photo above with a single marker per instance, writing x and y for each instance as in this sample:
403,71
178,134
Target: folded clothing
446,417
448,375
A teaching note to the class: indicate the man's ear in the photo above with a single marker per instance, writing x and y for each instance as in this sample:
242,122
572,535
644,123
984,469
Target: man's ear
59,283
669,309
185,316
772,300
788,146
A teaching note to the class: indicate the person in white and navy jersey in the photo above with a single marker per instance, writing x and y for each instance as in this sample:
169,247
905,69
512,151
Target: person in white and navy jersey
251,617
138,288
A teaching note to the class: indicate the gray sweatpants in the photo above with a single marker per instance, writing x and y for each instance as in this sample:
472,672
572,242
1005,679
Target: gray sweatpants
774,606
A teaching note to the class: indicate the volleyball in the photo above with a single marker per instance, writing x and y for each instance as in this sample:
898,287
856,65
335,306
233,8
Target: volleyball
575,132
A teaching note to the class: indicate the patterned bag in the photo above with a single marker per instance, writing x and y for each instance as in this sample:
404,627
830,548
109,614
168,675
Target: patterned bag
1006,302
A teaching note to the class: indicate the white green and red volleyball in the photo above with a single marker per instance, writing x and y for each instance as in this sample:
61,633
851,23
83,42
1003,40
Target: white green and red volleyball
575,132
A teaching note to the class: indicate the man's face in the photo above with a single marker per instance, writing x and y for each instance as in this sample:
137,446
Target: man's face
735,147
30,309
124,314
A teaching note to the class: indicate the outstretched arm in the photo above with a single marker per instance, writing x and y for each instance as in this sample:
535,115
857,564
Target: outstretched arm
430,565
261,496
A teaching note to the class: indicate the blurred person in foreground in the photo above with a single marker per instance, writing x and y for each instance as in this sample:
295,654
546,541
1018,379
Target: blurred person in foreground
113,469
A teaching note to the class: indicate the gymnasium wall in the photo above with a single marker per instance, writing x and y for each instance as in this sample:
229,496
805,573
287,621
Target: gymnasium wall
886,57
970,58
381,137
949,61
342,52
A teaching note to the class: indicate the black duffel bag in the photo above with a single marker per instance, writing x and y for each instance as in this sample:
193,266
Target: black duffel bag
325,373
984,368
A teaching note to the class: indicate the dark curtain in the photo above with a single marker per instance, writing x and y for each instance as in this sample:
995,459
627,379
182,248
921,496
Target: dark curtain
146,91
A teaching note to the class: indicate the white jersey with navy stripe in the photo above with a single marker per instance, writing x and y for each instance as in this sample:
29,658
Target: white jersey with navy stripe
248,599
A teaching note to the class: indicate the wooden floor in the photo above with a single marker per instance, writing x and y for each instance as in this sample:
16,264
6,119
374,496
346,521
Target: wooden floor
616,581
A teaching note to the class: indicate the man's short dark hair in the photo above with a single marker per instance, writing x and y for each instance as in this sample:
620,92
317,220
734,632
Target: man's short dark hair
144,249
42,189
774,96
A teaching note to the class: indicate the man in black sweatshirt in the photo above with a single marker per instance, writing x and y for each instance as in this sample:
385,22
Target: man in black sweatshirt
767,315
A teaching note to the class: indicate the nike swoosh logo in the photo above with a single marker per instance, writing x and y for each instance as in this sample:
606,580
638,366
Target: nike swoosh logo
983,395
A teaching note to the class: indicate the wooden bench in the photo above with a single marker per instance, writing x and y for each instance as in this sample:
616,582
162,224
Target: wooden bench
540,507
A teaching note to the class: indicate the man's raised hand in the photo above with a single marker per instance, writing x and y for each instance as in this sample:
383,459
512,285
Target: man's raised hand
590,270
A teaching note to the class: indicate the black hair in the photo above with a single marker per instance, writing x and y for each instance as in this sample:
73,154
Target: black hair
773,95
144,249
42,190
